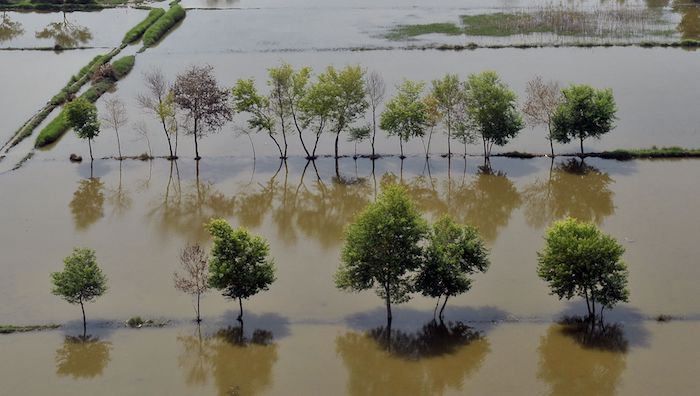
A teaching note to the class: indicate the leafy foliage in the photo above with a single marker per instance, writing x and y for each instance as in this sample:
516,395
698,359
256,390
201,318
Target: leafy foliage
160,27
579,260
406,115
586,112
81,280
240,265
81,115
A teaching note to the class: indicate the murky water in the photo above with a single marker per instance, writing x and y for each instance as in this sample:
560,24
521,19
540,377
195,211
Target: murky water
304,336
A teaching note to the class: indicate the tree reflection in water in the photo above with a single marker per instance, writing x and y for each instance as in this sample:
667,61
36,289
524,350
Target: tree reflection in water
82,357
574,189
580,358
433,360
65,34
9,29
239,365
87,205
119,197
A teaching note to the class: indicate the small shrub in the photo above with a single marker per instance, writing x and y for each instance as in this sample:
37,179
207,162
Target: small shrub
103,72
135,321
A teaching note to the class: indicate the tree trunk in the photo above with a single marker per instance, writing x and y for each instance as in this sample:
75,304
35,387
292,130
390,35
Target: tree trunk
449,135
388,305
199,319
337,136
442,310
284,138
581,147
401,145
90,147
119,145
551,140
485,153
240,306
82,307
167,136
437,303
374,128
196,147
430,137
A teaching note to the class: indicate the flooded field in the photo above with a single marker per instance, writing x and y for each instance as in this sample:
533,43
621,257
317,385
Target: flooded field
304,336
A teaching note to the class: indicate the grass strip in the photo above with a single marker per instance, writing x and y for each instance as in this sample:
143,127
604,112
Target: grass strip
159,28
137,31
9,329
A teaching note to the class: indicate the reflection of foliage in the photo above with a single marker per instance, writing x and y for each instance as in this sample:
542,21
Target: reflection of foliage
82,357
239,365
9,29
487,202
577,359
65,34
185,210
689,25
87,203
431,361
574,189
119,197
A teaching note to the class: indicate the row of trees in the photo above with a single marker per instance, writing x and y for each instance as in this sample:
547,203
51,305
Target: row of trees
389,248
338,101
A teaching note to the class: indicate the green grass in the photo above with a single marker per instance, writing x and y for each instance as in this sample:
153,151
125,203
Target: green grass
59,5
160,27
404,32
53,130
654,152
9,329
137,31
501,24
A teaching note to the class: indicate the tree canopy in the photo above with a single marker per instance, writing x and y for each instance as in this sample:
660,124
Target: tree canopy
586,112
81,115
491,107
240,265
382,248
406,114
579,260
452,254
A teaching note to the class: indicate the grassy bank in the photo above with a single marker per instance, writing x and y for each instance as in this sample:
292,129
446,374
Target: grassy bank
9,329
654,152
59,125
160,27
137,31
58,5
405,32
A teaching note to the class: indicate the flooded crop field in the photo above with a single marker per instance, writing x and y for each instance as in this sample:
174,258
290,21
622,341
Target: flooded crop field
303,334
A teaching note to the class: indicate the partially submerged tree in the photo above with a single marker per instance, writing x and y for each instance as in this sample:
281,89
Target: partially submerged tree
115,118
405,115
448,94
194,280
579,260
382,248
491,107
205,104
543,99
586,112
160,101
346,94
433,118
246,99
81,115
240,265
375,89
81,281
452,254
287,90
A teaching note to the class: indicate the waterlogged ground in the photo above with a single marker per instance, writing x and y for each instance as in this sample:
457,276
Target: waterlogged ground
303,326
304,336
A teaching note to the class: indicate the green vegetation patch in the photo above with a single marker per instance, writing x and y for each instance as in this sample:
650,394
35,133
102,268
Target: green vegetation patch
159,28
405,32
137,31
501,24
654,152
9,329
123,66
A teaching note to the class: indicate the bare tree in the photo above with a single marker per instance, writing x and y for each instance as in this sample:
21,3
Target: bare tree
543,98
115,118
159,101
142,130
197,92
376,89
195,277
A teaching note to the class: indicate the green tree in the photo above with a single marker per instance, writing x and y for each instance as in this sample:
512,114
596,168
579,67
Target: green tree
382,248
246,99
406,114
287,90
240,265
492,109
453,253
346,97
579,260
586,112
81,280
448,94
81,115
